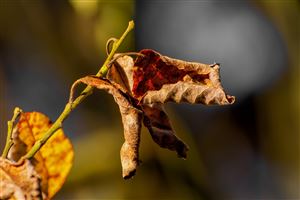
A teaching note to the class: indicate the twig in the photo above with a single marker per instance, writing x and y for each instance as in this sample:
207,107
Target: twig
86,92
9,140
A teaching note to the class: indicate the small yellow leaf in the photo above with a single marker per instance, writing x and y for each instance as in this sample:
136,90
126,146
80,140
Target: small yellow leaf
54,160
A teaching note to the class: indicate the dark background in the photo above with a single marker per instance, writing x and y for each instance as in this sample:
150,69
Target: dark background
249,150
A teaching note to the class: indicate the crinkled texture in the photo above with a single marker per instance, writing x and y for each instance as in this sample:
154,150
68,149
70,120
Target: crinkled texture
19,181
154,78
53,161
188,91
131,118
160,79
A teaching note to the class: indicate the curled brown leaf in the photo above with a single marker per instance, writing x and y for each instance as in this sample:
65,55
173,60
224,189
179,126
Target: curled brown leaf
154,79
131,118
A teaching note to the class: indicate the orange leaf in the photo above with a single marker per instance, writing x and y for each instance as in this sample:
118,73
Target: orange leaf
54,160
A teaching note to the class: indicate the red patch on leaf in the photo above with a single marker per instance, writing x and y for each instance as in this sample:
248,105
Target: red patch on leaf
151,73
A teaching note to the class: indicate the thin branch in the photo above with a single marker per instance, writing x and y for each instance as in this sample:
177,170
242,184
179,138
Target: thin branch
104,69
86,92
10,124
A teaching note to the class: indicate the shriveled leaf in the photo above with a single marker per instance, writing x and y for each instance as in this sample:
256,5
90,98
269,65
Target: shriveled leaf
155,118
19,181
54,160
153,79
131,118
159,126
159,79
149,82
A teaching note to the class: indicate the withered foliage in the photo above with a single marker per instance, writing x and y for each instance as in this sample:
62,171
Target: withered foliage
141,87
160,79
131,116
19,180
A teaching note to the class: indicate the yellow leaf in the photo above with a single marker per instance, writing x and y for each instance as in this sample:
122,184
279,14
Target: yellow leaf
54,160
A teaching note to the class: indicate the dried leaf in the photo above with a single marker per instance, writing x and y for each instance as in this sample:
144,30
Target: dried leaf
149,82
54,160
159,79
159,126
153,80
19,181
131,118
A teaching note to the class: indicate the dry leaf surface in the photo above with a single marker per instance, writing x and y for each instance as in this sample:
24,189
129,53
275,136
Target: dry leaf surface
19,181
160,79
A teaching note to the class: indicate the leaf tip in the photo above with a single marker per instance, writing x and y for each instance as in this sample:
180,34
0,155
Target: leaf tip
129,174
230,99
181,149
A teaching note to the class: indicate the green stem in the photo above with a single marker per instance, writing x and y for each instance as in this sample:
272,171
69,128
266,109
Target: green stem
104,69
9,140
86,92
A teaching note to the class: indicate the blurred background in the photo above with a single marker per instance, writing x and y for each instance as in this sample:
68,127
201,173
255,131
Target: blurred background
249,150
